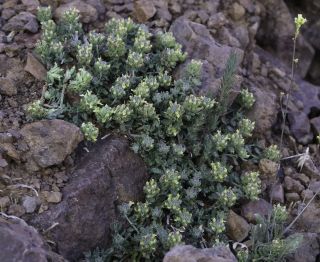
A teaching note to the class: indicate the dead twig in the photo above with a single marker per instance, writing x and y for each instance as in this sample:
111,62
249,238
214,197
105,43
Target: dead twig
299,215
25,186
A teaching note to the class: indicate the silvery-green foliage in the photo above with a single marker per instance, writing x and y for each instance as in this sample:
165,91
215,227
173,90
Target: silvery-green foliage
90,131
272,152
121,79
268,242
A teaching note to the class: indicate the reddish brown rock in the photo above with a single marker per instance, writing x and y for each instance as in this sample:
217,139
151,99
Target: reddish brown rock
237,11
7,87
268,167
264,111
260,207
144,10
88,13
199,44
50,142
292,197
107,176
276,193
35,68
237,227
292,185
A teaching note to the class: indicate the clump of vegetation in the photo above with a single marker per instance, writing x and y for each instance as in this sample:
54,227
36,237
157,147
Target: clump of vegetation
121,80
272,153
268,242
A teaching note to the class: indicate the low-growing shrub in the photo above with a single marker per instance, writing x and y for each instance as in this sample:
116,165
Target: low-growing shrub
121,80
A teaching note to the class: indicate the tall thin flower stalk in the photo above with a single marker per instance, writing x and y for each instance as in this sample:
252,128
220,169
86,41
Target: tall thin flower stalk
299,22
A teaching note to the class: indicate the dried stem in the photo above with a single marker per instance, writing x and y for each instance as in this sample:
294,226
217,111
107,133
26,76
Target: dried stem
299,215
285,111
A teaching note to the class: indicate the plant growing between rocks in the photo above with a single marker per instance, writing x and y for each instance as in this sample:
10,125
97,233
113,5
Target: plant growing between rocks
268,241
121,80
268,235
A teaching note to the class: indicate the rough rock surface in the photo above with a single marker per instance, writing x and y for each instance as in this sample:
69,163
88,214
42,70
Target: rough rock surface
20,242
35,68
311,170
99,5
199,44
300,120
191,254
4,201
300,127
276,193
30,3
237,227
144,10
22,21
50,142
308,251
8,150
264,110
292,197
30,204
278,41
292,185
309,221
7,87
88,13
107,176
268,167
315,124
261,207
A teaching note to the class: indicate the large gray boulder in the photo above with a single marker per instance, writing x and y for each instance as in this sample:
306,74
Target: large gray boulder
20,242
108,175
